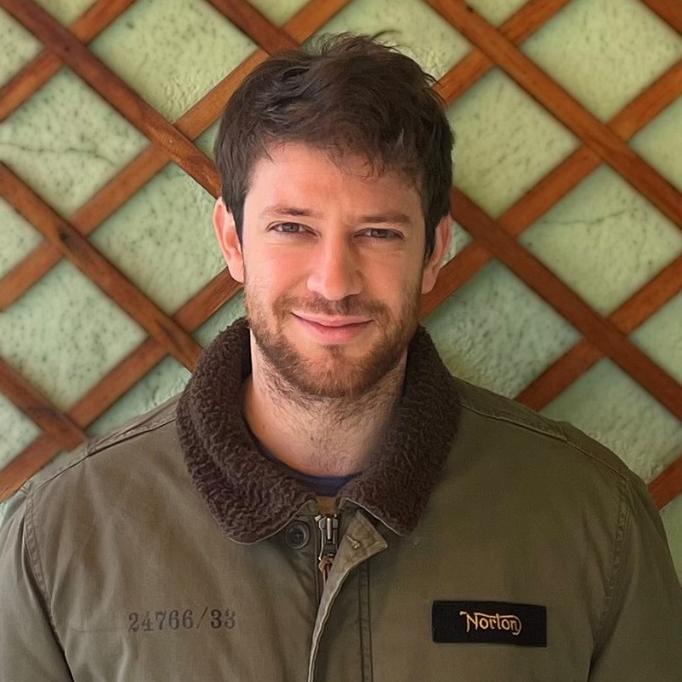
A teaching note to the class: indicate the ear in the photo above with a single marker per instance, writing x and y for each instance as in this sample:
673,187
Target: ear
441,242
226,234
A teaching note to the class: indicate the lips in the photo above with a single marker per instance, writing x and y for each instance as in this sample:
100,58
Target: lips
337,330
333,322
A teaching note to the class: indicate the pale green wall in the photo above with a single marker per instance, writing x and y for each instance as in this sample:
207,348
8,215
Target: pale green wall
603,238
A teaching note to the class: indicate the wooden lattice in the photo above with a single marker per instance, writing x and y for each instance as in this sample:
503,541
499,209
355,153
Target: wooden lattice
492,239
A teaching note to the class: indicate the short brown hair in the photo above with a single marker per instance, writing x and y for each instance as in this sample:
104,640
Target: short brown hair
349,94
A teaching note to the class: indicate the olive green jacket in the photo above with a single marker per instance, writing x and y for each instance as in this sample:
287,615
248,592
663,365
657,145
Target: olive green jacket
484,543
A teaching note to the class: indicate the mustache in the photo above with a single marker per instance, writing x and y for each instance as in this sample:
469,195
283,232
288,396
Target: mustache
351,305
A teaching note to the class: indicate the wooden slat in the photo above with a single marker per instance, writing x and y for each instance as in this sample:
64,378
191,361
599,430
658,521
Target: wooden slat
38,408
117,382
627,317
21,468
39,70
517,28
566,302
649,298
454,274
103,80
141,360
661,93
95,266
668,484
208,109
312,16
669,10
256,26
529,18
565,108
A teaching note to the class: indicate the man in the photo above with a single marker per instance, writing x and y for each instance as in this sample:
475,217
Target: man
324,501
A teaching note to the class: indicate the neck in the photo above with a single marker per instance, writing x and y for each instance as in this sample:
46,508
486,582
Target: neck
318,436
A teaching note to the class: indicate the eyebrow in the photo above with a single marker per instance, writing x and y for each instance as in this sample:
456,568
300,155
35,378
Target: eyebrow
391,217
279,210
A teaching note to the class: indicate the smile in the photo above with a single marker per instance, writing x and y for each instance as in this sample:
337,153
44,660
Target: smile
332,330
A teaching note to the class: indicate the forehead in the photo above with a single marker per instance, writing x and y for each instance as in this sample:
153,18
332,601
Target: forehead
295,173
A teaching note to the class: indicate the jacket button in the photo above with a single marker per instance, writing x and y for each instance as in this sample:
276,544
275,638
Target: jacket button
297,534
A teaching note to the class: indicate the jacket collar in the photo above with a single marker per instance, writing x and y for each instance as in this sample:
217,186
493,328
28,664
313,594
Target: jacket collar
251,497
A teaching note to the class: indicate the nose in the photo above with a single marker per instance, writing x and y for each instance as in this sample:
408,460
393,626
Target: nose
335,273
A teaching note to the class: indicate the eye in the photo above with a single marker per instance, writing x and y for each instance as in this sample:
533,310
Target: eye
288,228
381,233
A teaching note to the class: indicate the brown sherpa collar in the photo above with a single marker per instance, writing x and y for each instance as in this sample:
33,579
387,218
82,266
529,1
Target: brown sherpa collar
251,497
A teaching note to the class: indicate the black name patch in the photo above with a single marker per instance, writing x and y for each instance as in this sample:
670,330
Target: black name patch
492,622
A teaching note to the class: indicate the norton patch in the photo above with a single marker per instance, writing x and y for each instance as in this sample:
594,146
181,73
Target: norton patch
489,622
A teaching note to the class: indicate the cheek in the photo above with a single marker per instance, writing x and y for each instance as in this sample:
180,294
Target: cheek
268,275
395,285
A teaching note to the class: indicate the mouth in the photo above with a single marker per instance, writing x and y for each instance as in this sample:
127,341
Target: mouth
332,330
335,322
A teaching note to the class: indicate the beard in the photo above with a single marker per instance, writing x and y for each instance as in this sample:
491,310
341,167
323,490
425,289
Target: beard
332,372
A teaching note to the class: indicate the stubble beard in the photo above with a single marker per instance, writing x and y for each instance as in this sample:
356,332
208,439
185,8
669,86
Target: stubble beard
333,374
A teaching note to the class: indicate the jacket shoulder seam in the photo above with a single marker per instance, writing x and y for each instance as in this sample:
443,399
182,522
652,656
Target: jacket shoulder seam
615,581
34,556
96,446
506,417
559,435
100,444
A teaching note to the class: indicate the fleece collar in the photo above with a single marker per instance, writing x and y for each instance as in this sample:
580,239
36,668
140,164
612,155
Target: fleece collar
252,498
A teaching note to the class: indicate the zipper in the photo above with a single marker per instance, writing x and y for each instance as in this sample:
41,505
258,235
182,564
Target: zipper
329,543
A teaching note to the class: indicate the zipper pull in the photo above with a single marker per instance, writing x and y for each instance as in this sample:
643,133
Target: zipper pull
329,542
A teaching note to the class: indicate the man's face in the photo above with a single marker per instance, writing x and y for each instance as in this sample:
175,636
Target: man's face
333,267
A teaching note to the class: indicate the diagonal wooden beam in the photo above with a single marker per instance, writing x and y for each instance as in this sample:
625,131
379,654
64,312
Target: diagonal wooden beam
312,17
517,28
33,458
116,383
256,26
626,318
563,106
95,266
40,69
668,484
38,408
141,360
115,90
669,10
141,169
647,105
598,331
